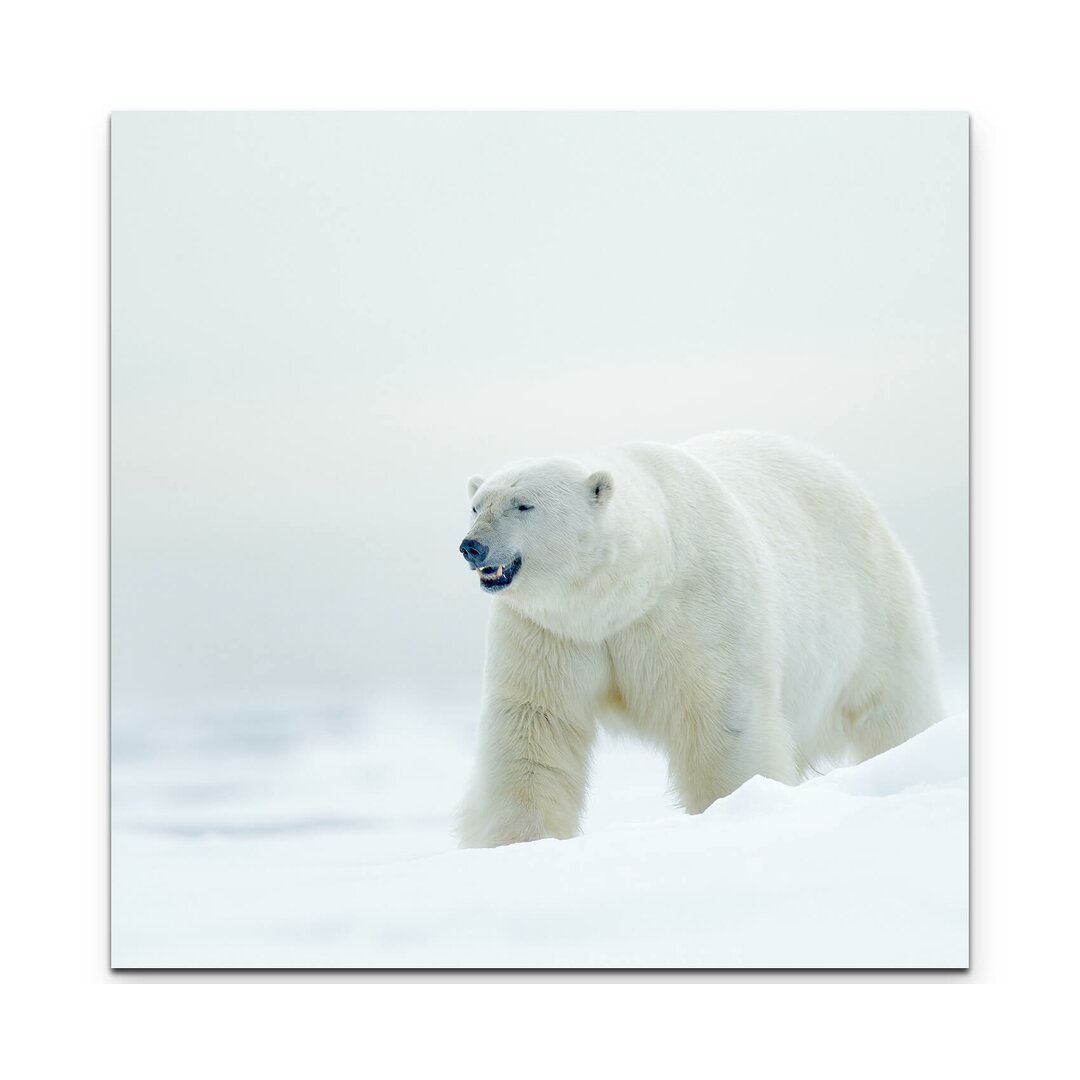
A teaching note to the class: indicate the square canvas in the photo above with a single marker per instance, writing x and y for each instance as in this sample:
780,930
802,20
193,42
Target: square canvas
539,540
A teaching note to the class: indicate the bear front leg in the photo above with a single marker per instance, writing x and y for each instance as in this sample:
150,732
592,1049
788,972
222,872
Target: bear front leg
531,776
729,735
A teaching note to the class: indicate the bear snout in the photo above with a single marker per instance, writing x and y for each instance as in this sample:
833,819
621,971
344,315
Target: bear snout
474,551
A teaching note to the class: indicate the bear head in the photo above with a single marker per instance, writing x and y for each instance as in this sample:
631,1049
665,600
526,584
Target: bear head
537,526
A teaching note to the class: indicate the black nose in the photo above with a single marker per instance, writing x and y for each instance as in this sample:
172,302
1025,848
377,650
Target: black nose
475,553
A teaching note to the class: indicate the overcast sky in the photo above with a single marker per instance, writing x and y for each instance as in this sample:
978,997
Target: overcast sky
323,324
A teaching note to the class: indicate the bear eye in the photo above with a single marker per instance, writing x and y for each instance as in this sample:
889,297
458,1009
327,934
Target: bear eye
474,509
524,508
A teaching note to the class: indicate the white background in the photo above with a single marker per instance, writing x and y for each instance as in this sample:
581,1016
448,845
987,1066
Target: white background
65,68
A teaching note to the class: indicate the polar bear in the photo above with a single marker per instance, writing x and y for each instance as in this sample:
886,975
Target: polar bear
736,600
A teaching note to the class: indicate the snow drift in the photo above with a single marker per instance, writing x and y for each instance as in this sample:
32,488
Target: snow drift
310,840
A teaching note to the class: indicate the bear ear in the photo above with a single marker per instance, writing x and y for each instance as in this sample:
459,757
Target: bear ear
600,486
474,484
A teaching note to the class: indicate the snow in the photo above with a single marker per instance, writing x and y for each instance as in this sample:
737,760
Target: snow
321,838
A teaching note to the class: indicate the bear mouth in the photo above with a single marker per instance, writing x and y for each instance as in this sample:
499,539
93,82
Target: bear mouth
494,578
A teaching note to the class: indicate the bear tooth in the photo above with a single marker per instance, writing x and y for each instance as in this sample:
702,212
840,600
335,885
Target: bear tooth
500,574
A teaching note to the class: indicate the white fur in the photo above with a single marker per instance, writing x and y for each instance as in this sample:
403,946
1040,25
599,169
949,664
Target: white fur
736,600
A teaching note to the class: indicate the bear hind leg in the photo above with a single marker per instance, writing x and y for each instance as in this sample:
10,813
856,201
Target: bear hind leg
877,721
